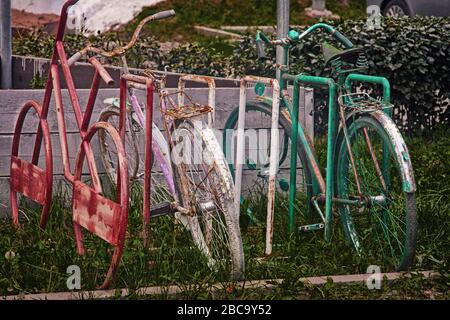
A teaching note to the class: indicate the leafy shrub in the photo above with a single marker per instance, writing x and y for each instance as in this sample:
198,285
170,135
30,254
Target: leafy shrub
146,53
192,58
413,54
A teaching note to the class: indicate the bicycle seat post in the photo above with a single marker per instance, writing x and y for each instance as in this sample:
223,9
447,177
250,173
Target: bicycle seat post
282,58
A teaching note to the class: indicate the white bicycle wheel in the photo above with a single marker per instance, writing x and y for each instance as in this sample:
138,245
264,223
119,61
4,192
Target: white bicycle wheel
215,229
205,188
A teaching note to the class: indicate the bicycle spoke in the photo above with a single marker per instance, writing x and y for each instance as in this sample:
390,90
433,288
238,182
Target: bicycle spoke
374,223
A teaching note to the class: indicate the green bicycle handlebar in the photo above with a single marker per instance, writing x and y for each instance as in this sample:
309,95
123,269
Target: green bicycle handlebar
331,30
261,38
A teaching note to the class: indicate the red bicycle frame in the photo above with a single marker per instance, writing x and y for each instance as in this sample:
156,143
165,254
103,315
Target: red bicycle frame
103,217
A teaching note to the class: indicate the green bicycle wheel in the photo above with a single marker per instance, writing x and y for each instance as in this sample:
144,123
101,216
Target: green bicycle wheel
259,115
381,224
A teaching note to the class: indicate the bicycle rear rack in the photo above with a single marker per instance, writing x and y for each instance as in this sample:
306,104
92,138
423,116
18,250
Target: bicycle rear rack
211,94
362,102
181,110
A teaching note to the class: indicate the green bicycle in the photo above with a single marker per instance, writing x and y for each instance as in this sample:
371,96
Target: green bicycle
369,183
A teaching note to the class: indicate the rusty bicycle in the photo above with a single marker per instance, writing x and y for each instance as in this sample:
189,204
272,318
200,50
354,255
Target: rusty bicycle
199,192
369,182
94,208
182,168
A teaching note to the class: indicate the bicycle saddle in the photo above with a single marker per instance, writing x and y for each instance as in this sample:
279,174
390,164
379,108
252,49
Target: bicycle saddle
332,53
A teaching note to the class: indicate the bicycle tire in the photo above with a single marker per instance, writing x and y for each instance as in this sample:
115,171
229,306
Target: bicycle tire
216,177
363,239
286,125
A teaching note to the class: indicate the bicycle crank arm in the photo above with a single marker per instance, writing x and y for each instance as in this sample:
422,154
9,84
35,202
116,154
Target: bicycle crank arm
162,209
355,200
167,208
311,227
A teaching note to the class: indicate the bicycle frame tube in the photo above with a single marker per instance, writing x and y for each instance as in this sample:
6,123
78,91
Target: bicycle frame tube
148,133
82,120
355,77
49,84
240,156
324,188
211,93
165,167
318,181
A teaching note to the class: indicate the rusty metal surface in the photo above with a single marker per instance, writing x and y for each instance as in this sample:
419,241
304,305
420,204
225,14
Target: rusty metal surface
400,150
18,170
137,79
349,149
119,51
29,180
84,199
102,71
94,212
273,167
374,158
211,93
188,111
146,83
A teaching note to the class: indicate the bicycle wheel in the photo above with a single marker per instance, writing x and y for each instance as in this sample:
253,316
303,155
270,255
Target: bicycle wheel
205,187
162,180
258,117
108,155
26,177
382,222
103,212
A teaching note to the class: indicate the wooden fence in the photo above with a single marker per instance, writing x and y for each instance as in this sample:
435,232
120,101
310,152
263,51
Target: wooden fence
11,100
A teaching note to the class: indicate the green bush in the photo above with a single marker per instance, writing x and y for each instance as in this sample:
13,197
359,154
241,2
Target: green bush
414,54
39,44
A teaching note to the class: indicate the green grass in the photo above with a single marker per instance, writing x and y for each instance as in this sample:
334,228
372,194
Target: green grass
37,260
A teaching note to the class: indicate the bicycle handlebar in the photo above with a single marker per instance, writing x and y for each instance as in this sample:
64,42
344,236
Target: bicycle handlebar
121,50
164,15
261,38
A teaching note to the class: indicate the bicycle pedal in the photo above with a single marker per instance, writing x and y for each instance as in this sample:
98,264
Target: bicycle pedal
161,209
311,227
